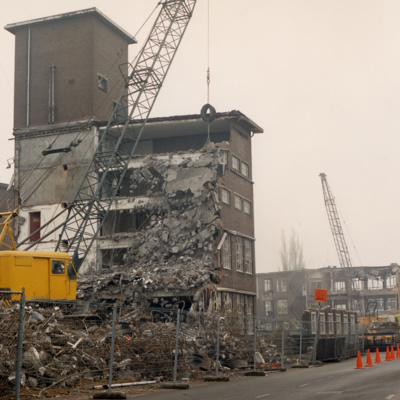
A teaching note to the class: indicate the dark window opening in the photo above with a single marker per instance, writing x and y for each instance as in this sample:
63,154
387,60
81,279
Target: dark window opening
34,225
102,83
125,221
112,257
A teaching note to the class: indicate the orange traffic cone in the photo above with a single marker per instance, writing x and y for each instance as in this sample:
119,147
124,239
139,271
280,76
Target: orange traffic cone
359,364
388,357
398,352
369,361
392,353
377,357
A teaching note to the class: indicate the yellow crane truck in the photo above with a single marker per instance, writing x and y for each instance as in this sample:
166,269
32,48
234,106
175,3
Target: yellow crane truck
42,274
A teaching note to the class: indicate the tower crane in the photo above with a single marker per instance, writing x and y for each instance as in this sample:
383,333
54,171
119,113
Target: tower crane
100,185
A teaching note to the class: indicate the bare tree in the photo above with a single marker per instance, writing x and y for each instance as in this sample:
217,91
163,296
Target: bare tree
291,252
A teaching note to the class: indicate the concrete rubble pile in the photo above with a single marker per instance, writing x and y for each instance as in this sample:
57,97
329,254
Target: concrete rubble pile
175,250
64,350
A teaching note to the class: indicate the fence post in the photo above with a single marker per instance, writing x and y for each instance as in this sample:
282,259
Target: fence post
316,339
255,341
176,344
19,345
114,320
283,346
217,362
301,341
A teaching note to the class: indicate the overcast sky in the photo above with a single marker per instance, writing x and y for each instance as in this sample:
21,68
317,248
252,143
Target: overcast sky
321,77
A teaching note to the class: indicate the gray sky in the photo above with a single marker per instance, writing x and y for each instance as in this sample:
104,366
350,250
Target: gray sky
323,80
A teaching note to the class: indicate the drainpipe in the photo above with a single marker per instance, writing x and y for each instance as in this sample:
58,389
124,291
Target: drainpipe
28,84
51,117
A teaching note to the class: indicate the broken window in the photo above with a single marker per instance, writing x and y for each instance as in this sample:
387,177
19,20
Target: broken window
391,303
390,281
246,206
239,254
112,257
225,196
375,284
227,253
248,256
281,285
358,284
223,157
238,202
249,315
125,221
340,304
339,286
281,307
226,301
267,285
240,303
34,225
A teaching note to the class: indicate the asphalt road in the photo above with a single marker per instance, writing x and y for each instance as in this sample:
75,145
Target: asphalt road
329,382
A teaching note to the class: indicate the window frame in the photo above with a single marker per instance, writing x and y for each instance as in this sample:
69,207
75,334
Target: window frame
235,163
237,199
227,252
227,194
239,254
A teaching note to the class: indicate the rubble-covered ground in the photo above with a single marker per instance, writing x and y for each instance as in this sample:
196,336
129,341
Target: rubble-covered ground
173,247
66,350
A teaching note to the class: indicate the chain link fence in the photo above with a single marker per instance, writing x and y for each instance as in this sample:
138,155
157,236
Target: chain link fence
71,345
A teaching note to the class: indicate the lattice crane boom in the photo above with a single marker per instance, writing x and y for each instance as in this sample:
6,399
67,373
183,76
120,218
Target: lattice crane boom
102,180
336,227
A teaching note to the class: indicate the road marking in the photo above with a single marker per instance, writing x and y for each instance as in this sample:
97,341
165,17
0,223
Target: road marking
304,384
318,380
263,395
389,397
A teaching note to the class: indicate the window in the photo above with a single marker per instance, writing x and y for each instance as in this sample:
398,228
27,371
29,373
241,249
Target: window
102,83
313,323
391,303
225,196
358,284
239,254
267,285
331,329
120,112
339,286
71,272
238,202
34,225
246,206
375,284
345,325
281,285
269,307
223,157
281,307
227,253
57,267
380,304
240,303
391,281
226,301
322,324
248,256
244,169
338,318
235,163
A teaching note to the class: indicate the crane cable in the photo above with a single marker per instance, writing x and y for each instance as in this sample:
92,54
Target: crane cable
208,112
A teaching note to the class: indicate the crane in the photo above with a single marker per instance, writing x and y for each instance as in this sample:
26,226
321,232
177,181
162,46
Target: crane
337,231
87,212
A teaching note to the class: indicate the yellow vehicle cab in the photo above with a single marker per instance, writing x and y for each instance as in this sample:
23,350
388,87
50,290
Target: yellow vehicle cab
42,274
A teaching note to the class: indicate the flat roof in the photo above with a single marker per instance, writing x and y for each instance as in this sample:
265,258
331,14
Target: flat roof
12,27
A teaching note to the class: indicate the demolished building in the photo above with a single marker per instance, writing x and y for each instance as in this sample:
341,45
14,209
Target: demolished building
181,230
285,295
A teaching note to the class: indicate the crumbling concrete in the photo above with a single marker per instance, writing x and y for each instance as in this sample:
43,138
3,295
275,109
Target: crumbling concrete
172,250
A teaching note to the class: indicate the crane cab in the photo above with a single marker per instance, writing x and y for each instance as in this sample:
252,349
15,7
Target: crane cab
43,274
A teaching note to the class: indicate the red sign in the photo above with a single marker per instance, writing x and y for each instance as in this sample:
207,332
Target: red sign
320,295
